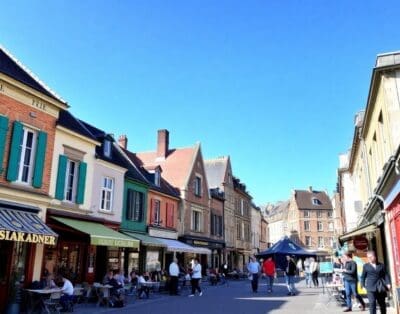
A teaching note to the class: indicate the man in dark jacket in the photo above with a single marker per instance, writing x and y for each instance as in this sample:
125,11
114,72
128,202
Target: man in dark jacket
373,272
350,280
290,272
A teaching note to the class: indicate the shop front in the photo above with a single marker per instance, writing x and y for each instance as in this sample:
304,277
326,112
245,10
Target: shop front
86,249
393,214
21,230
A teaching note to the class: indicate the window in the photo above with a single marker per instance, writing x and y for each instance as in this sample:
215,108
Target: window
196,220
157,177
330,226
308,241
321,242
319,226
28,143
331,242
107,148
306,214
316,201
216,225
319,214
330,213
107,189
155,213
134,205
238,231
71,180
197,186
306,226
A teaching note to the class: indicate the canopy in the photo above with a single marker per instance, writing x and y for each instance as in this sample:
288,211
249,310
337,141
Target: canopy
178,246
146,239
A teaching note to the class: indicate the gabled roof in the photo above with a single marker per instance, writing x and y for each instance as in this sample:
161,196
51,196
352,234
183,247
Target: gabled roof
164,187
68,121
175,167
13,68
304,199
216,170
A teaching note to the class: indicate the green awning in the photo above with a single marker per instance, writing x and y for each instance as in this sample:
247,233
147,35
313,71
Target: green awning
99,234
146,239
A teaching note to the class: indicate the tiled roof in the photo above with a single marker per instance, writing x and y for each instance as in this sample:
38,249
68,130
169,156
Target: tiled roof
175,167
164,187
215,170
11,67
304,199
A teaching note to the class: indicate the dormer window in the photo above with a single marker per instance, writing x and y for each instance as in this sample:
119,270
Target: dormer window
157,177
107,148
316,201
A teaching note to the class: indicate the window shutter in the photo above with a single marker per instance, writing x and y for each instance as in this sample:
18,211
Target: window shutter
212,224
61,172
80,195
171,215
39,160
15,151
3,134
152,211
220,226
128,206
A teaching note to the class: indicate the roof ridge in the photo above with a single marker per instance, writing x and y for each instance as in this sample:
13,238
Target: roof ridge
31,74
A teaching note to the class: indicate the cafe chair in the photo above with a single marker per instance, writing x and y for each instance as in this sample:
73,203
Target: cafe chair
52,304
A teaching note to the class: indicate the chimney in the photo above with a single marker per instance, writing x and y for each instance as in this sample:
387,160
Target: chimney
162,144
123,141
310,189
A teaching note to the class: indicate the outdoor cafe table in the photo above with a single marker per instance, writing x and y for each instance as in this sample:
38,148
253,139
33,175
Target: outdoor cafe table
42,293
103,293
152,285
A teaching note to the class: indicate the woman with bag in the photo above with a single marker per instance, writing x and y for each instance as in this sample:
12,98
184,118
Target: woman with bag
376,281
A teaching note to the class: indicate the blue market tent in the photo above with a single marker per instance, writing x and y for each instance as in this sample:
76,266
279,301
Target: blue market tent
284,247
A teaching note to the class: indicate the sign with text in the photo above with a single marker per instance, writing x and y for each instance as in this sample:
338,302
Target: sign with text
325,267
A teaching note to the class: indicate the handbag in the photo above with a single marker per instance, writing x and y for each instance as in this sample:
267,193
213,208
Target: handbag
381,286
250,276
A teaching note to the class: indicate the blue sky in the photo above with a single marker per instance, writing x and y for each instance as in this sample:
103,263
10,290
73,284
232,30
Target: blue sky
273,84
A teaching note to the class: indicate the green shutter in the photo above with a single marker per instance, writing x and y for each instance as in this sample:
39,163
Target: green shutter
15,151
61,172
3,134
39,160
80,195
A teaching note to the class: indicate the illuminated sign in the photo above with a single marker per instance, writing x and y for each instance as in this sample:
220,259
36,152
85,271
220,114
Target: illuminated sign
27,237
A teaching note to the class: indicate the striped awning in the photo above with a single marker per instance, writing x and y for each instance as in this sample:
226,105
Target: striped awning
178,246
22,226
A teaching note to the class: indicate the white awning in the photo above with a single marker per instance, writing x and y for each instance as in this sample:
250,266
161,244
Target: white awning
178,246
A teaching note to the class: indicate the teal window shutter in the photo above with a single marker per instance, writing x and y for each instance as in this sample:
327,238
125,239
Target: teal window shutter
61,172
3,134
15,151
39,160
80,195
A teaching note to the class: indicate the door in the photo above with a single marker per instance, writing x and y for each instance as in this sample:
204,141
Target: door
5,264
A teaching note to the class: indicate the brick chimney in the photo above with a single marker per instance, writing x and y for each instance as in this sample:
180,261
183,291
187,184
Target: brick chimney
162,144
123,141
310,189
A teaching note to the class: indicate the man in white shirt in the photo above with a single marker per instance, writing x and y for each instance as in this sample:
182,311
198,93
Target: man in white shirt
173,277
196,276
68,292
254,268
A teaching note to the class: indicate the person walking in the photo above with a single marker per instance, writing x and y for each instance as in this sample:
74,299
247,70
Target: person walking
196,276
376,281
290,272
350,280
270,271
307,272
173,277
253,267
314,269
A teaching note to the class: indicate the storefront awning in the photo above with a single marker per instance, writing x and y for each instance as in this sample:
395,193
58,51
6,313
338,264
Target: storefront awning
178,246
146,239
99,234
359,231
21,226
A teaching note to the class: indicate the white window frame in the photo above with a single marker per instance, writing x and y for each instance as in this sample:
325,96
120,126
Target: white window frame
330,214
197,227
157,177
321,242
320,226
107,194
197,185
75,177
319,214
306,214
24,151
330,226
157,212
107,148
308,243
307,223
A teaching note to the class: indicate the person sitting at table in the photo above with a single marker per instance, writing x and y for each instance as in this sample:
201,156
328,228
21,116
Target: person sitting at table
133,281
67,292
142,288
108,276
115,284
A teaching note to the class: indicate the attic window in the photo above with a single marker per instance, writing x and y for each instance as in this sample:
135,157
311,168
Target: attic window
157,177
107,148
316,201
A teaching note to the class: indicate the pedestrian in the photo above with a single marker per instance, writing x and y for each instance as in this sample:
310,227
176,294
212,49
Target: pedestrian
307,271
299,266
253,267
270,271
290,272
376,281
314,269
196,276
173,277
350,280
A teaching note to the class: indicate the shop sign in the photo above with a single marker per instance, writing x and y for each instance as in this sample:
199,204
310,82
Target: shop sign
19,236
196,242
360,243
113,242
